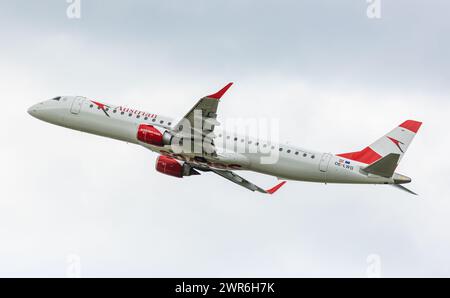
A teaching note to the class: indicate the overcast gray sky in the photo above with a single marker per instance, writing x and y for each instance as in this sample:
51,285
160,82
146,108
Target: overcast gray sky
335,79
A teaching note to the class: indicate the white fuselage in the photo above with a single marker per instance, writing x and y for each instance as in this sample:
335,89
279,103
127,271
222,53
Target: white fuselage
292,163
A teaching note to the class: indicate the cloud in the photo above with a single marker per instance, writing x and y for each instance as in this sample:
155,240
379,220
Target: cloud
336,80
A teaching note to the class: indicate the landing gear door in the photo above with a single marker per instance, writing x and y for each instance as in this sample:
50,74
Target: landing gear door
324,161
76,105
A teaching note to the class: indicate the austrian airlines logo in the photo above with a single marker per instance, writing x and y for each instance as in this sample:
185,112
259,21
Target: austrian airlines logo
122,110
397,143
102,107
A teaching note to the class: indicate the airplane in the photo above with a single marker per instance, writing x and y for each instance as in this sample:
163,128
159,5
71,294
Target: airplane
225,153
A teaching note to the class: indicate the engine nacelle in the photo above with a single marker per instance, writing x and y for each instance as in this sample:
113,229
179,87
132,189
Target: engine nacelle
172,167
152,135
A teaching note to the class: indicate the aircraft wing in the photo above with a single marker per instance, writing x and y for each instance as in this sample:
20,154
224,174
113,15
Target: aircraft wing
202,120
233,177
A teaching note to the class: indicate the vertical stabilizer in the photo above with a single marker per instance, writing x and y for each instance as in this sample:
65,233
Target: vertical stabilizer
396,141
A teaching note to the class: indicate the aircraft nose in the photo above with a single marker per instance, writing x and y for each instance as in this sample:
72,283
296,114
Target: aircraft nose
32,110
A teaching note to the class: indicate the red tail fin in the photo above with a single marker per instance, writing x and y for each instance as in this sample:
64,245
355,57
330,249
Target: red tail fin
396,141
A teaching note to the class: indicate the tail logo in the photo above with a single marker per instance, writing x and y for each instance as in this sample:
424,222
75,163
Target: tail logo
397,143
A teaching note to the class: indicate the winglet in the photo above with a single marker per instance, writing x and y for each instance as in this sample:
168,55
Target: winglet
222,91
275,188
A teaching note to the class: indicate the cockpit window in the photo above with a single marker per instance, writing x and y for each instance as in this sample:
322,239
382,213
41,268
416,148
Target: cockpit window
57,98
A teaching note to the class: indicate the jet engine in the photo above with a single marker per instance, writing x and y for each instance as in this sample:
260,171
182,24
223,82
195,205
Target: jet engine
152,135
172,167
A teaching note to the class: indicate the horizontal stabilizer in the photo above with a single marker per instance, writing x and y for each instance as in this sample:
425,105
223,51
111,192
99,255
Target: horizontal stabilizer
384,167
404,189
